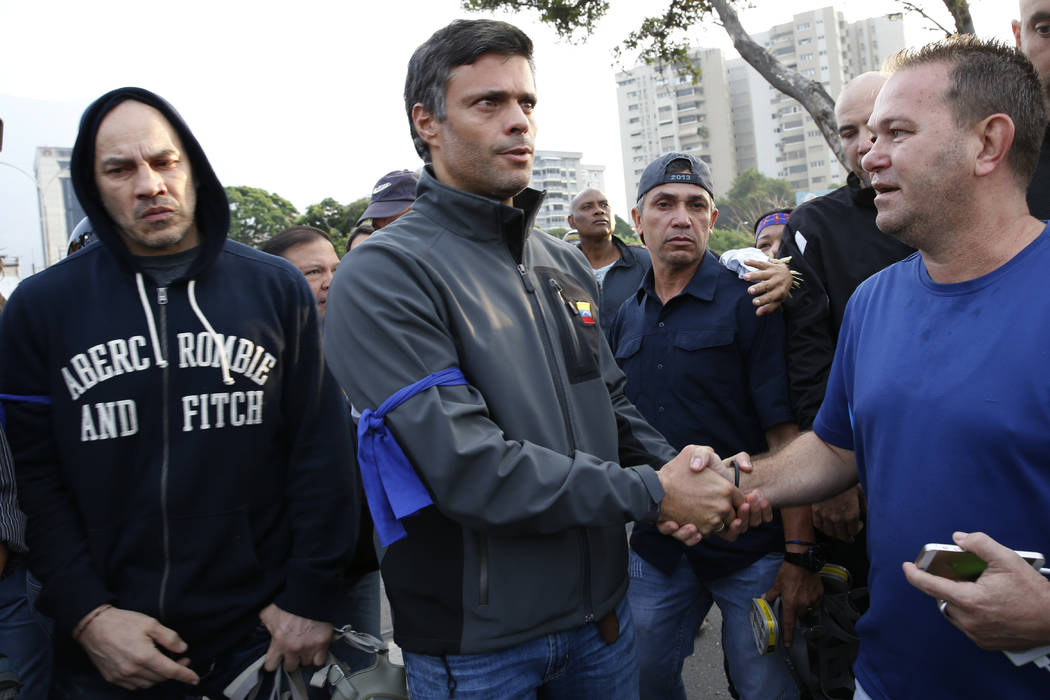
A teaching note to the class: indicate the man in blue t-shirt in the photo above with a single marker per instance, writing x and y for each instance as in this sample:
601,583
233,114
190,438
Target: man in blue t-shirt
936,398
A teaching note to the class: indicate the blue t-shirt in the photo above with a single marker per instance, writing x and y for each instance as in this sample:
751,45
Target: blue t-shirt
942,392
703,369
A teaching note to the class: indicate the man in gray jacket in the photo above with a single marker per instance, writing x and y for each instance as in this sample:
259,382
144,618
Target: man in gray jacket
472,344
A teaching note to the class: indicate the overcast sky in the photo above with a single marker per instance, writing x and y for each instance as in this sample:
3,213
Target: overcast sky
304,98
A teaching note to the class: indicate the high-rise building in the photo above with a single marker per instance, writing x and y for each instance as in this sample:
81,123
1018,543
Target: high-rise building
563,176
871,41
746,123
59,209
663,111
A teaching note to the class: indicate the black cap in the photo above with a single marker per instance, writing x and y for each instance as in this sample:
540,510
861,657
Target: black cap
656,173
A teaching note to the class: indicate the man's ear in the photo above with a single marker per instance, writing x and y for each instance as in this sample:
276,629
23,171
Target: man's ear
1016,26
996,135
572,224
637,219
425,124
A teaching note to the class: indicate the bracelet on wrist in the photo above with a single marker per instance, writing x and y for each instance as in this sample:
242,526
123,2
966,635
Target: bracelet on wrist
91,618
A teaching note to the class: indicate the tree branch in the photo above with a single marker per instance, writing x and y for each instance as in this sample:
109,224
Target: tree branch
809,93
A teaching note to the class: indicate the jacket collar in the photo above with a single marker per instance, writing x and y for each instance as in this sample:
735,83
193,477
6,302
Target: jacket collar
475,217
628,257
702,285
861,196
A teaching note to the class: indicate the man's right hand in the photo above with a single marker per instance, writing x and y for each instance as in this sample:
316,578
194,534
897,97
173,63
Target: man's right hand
696,495
123,646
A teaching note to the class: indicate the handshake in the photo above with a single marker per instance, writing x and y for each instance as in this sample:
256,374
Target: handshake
700,498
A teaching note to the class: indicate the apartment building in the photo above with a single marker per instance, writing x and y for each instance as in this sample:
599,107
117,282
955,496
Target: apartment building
663,111
563,176
741,121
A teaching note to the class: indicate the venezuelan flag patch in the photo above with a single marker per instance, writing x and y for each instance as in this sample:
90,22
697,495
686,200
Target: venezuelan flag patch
584,309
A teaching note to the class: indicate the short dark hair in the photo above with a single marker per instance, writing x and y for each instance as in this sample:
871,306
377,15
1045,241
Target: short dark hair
989,77
365,229
461,43
292,236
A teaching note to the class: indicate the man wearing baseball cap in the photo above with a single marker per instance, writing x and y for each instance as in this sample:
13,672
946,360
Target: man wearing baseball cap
702,367
391,197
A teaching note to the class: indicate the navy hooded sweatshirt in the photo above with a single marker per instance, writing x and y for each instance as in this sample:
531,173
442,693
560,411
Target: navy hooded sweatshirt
192,463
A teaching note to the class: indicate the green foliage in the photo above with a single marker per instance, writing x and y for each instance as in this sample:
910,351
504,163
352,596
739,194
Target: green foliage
256,215
566,16
751,195
328,215
722,240
625,232
557,231
354,210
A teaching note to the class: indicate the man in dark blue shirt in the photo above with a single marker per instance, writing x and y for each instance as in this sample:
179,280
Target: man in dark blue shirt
701,366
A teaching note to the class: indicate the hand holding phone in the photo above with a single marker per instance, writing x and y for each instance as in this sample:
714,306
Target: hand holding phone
952,562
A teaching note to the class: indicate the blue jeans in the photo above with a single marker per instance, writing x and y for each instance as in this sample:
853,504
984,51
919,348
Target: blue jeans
25,634
573,665
668,612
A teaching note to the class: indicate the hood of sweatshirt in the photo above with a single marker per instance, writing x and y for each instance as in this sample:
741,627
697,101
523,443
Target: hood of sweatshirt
212,212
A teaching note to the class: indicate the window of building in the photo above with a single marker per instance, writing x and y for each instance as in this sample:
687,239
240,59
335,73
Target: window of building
634,120
687,119
633,108
665,122
665,109
803,27
684,92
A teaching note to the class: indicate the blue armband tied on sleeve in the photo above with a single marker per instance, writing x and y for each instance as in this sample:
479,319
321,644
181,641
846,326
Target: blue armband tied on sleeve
392,487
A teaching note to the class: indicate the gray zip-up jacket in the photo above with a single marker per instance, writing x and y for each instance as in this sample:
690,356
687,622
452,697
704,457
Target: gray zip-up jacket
524,462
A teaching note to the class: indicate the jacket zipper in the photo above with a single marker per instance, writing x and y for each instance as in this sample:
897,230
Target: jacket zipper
577,351
162,306
551,360
584,537
483,569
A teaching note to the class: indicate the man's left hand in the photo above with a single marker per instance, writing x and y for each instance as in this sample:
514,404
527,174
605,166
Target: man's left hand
772,285
295,641
799,591
1007,608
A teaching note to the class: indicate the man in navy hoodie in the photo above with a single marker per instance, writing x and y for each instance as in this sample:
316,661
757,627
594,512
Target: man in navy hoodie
180,447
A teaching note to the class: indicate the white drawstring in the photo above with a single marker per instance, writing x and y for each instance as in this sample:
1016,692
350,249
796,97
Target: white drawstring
161,362
226,378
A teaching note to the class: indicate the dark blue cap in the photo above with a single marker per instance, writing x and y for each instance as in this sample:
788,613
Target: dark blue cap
656,173
394,193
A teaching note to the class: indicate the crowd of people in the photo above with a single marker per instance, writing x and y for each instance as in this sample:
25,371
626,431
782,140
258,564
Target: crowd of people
214,450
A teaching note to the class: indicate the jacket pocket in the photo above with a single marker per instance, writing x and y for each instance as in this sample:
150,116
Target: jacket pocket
576,323
627,348
701,339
